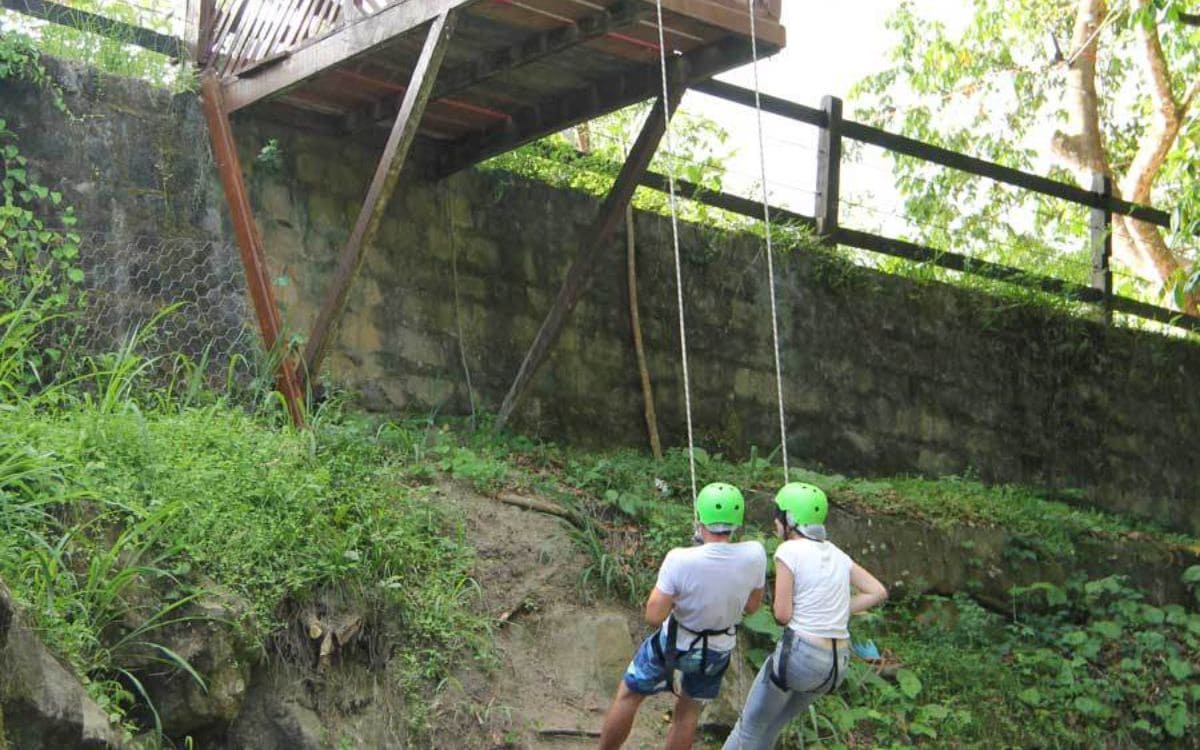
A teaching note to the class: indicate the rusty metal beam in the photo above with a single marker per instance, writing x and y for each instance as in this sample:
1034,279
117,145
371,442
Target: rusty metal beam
583,268
249,242
383,184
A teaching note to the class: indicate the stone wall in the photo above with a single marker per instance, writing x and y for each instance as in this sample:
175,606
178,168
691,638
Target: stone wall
882,375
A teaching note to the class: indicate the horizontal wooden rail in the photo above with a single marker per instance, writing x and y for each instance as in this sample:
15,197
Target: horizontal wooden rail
910,147
920,253
936,154
95,24
725,201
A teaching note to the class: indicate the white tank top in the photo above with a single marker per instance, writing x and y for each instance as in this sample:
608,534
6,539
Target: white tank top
821,592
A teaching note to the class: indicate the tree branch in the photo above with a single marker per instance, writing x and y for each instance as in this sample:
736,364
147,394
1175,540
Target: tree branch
1157,142
1155,64
1188,99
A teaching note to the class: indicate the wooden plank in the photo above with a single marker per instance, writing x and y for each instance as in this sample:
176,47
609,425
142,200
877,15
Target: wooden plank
387,174
597,98
911,251
829,167
239,36
249,241
772,104
936,154
955,262
1011,275
228,17
579,275
536,47
733,19
193,23
105,27
910,147
725,201
1100,228
539,46
337,48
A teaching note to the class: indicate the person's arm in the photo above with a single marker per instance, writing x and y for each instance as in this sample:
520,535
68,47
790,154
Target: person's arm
784,581
753,602
658,607
870,590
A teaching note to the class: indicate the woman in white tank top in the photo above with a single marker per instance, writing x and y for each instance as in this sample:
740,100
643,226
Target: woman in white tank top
812,598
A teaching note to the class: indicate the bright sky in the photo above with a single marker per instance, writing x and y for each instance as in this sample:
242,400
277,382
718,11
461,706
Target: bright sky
831,46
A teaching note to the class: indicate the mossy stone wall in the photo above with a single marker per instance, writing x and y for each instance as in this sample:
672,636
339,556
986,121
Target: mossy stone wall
883,375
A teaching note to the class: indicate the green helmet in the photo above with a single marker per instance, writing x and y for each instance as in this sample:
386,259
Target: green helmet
805,504
720,506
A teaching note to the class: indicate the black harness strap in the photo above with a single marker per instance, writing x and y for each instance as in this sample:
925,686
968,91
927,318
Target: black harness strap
702,638
778,671
670,655
778,675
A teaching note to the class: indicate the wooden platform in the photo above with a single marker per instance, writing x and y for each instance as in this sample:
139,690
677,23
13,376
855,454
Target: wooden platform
514,70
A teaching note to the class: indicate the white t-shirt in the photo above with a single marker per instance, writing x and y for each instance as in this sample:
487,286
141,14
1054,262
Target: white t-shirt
710,585
821,592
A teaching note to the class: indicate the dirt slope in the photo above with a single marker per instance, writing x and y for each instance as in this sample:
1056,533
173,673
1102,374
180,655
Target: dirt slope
560,652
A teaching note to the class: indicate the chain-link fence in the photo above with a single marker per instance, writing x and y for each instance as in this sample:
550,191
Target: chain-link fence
130,280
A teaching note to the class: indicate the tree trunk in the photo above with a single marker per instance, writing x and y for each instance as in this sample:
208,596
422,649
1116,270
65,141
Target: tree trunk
635,322
1083,148
1138,245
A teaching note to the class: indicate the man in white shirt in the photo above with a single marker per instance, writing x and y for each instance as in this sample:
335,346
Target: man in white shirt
695,606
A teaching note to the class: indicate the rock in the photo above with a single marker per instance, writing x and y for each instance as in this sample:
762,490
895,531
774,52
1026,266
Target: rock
42,704
587,653
219,650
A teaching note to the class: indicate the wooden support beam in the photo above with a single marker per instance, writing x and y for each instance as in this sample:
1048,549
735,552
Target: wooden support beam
597,98
95,24
1100,222
580,274
383,184
249,242
829,167
731,17
350,41
495,62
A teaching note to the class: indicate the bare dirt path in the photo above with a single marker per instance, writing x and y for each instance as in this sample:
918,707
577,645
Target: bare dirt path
559,651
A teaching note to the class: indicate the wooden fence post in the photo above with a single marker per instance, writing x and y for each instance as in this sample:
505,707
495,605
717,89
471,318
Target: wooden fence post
829,167
1100,227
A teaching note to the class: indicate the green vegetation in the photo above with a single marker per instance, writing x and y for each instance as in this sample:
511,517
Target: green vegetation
103,499
1006,87
1086,664
128,490
108,49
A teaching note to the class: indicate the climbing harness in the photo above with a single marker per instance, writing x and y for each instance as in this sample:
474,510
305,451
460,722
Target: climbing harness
669,654
778,670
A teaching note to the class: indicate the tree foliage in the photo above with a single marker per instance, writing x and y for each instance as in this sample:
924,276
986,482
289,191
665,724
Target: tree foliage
1067,88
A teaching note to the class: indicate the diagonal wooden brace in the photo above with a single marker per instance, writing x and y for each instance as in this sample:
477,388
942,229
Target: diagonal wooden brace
383,184
582,270
249,242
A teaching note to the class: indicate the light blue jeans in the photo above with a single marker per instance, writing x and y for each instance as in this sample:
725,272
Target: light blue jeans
809,675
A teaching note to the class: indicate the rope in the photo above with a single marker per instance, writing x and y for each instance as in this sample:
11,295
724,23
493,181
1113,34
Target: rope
762,162
687,392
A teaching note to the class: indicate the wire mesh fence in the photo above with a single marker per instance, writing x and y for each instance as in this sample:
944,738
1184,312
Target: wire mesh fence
129,281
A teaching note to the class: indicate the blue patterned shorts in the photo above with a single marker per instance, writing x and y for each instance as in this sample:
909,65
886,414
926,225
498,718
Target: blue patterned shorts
647,674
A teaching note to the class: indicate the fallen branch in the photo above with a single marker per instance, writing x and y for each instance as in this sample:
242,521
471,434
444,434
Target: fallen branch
568,733
541,506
